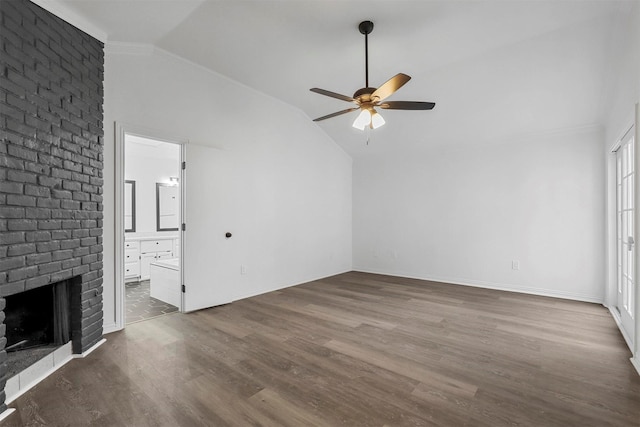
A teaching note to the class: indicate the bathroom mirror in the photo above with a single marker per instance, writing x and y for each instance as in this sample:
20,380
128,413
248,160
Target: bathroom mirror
129,206
166,207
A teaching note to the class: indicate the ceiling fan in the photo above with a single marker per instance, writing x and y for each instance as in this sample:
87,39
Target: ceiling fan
368,98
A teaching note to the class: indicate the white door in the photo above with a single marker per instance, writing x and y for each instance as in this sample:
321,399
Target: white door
625,206
206,252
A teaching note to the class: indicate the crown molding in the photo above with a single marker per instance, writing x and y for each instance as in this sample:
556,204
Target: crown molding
65,13
125,48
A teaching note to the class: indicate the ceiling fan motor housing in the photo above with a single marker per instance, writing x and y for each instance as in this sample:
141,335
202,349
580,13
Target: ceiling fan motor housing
364,94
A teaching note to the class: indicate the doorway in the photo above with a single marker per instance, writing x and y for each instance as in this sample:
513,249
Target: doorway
204,251
151,268
625,234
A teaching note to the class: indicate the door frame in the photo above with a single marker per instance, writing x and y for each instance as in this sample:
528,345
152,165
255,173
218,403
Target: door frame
611,297
635,351
625,295
122,129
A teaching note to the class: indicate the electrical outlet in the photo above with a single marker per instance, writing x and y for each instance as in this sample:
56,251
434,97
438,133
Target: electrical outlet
243,269
515,265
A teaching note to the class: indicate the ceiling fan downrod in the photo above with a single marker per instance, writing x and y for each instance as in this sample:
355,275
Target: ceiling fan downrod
366,27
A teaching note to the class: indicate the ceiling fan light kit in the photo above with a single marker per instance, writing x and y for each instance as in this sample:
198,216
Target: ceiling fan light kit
376,120
363,119
368,98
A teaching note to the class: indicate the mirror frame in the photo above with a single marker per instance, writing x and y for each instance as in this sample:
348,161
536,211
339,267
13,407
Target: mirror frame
158,186
133,206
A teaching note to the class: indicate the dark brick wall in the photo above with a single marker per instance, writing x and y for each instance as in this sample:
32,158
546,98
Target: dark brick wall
51,159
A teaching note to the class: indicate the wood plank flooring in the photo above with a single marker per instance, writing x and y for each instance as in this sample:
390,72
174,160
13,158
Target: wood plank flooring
353,350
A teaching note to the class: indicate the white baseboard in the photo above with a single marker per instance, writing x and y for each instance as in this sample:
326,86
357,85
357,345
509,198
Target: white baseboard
19,384
616,318
302,282
490,285
107,329
636,363
90,350
6,413
255,294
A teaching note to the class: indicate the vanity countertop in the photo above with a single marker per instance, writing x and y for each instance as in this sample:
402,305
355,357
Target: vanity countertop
141,238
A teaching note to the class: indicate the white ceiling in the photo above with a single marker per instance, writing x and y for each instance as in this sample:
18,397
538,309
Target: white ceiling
495,69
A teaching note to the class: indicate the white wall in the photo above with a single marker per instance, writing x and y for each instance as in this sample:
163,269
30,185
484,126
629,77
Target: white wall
285,167
463,215
622,90
148,165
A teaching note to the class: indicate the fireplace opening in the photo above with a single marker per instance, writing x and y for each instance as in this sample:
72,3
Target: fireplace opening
38,321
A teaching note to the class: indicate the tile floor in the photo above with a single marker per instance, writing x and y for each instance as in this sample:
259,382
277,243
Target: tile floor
141,306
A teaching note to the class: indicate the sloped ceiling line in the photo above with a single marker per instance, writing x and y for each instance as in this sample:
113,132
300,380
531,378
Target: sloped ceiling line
73,18
494,68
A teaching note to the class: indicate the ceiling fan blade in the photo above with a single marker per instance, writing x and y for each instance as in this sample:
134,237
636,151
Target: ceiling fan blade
407,105
333,95
328,116
390,86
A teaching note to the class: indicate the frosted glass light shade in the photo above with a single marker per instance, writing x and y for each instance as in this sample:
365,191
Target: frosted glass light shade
363,119
376,120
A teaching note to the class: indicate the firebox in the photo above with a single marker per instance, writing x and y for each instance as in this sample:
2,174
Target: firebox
38,321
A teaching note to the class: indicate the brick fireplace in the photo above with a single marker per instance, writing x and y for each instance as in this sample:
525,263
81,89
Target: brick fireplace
51,160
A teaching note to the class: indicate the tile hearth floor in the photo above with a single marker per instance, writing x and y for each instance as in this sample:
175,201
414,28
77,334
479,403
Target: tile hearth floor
141,306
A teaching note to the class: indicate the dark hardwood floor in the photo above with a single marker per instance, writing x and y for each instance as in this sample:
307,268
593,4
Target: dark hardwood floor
353,350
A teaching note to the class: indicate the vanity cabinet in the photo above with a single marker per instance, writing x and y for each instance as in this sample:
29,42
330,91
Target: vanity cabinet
140,253
131,261
153,250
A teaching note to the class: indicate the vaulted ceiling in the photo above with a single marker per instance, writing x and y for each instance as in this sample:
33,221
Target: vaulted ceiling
496,69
